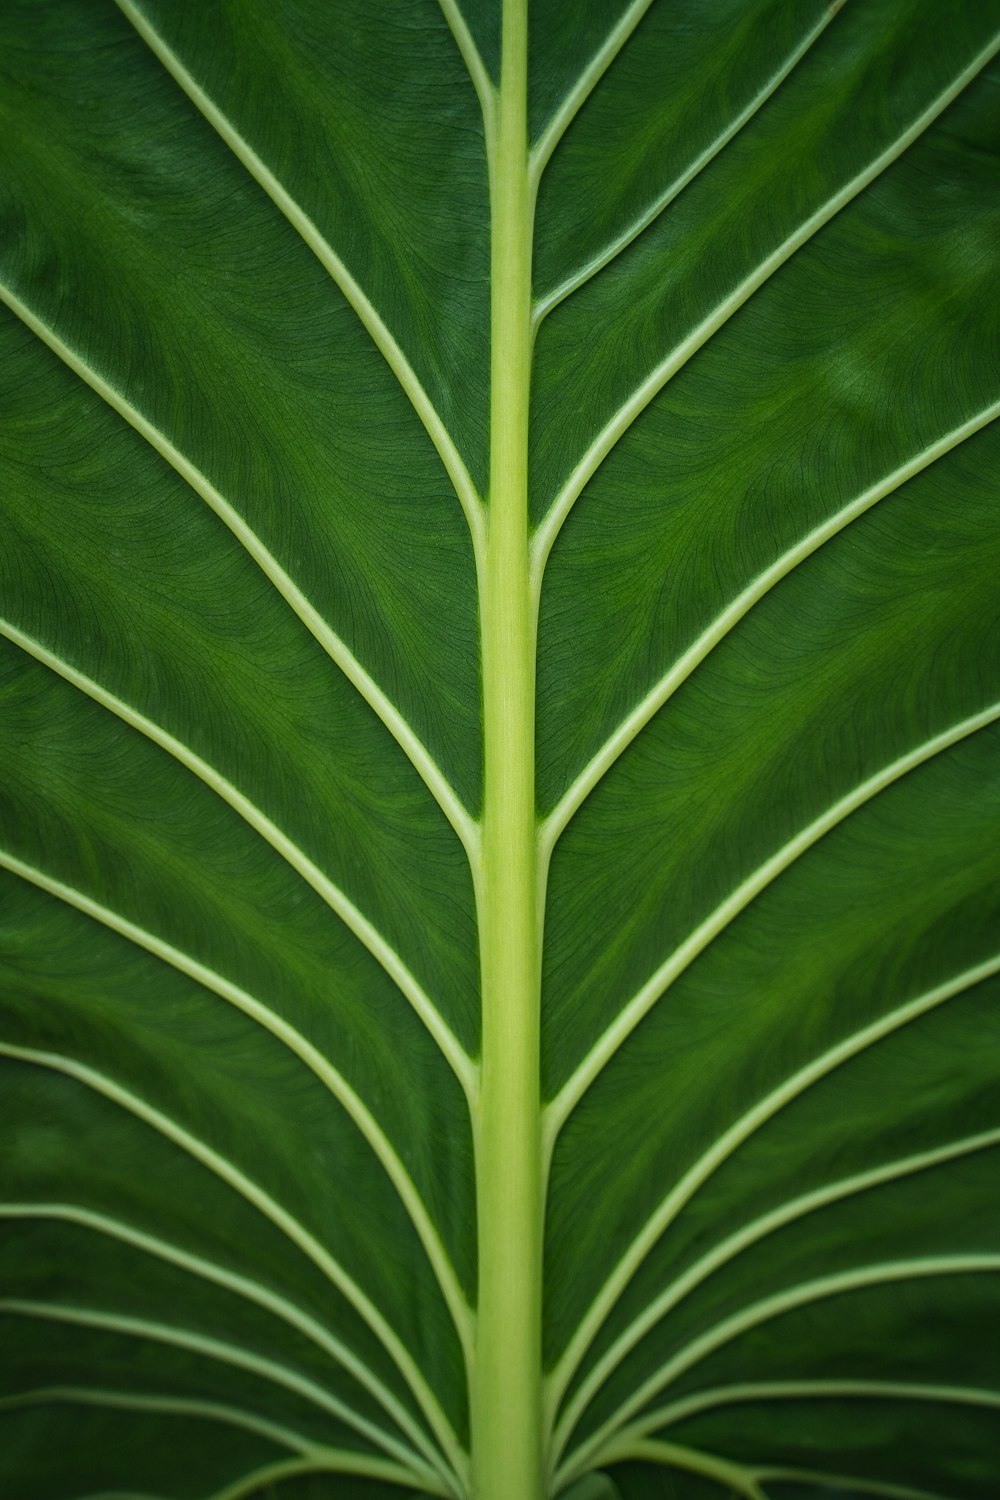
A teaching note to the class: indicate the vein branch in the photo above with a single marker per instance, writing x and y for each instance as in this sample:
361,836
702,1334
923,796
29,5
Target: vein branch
821,1390
727,1143
767,1309
270,1209
610,253
483,84
419,756
329,1461
733,1245
451,1049
245,1287
578,95
372,321
670,970
662,691
169,1406
619,423
300,1047
672,1455
211,1348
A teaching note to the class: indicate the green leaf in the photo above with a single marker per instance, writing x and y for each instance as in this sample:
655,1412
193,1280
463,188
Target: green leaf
476,473
593,1487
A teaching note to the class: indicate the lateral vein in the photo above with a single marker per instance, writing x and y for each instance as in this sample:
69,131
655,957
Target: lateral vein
632,725
483,84
819,1390
853,1482
803,1295
332,1461
740,1131
419,756
670,970
263,1367
691,1460
578,95
331,1078
458,1059
726,1250
261,1200
331,262
171,1406
239,1286
548,529
552,299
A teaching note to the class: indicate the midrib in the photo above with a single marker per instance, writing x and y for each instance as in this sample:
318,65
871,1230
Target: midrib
506,1372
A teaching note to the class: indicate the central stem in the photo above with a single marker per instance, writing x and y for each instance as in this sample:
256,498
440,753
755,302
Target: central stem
506,1388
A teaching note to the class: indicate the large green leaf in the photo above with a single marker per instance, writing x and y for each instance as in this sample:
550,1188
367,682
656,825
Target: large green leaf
273,1047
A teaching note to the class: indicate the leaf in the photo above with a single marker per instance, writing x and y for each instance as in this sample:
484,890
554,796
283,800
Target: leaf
464,465
593,1487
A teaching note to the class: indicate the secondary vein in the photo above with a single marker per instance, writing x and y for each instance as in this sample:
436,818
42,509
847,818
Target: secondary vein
483,84
741,1130
331,262
332,1461
235,1355
444,794
588,80
170,1406
768,1308
619,423
601,1053
247,1288
571,284
821,1390
266,1205
671,1455
727,1250
663,690
331,1078
452,1050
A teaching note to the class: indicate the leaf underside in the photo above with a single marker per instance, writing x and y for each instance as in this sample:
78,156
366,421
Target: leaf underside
245,355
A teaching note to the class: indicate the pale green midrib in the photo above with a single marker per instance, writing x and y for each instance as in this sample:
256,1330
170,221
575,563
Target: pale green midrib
505,1377
802,1295
573,283
320,1066
369,317
285,1222
170,1406
416,752
548,529
573,102
632,725
240,1286
723,1148
483,84
692,1461
558,1111
261,1366
819,1390
727,1250
458,1059
337,1462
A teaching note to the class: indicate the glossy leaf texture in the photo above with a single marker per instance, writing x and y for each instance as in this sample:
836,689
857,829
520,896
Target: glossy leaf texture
245,267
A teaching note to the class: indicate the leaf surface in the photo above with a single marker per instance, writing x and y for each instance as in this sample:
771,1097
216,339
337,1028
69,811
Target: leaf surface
245,361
